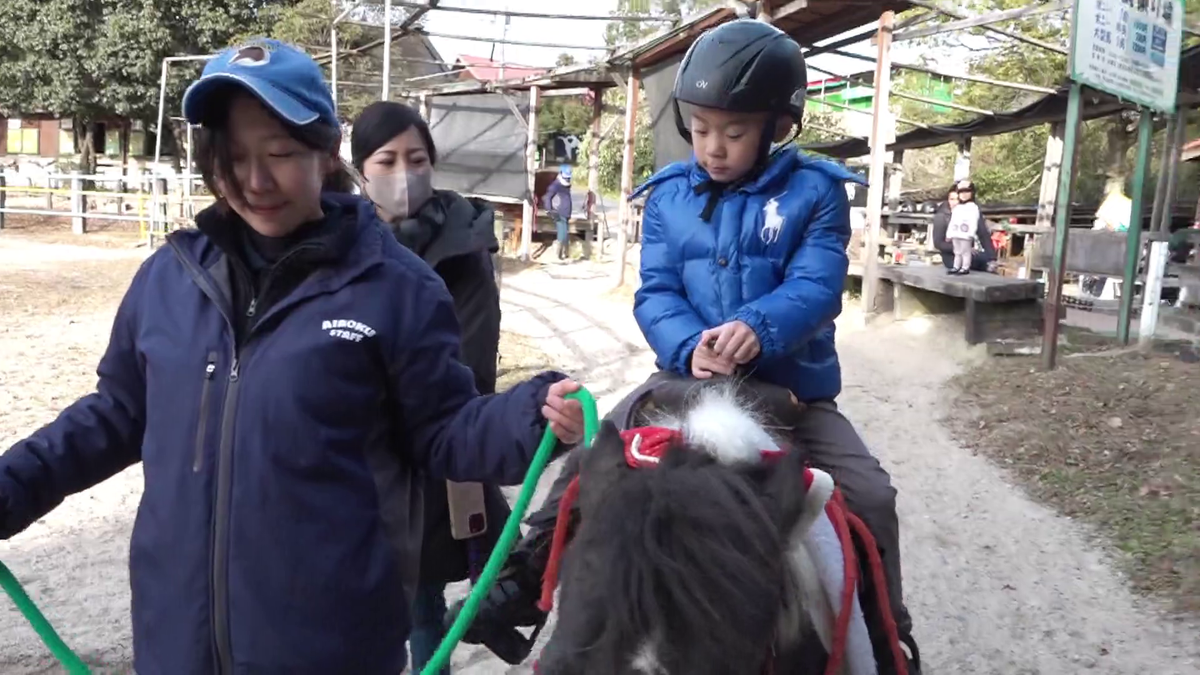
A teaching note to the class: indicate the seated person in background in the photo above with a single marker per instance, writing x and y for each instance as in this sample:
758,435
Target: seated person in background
964,224
983,258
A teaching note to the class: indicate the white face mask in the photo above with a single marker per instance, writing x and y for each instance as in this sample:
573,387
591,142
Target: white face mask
400,195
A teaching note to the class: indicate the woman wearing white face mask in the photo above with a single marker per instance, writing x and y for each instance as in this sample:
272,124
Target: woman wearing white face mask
392,147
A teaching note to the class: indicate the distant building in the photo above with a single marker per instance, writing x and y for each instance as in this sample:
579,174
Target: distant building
486,70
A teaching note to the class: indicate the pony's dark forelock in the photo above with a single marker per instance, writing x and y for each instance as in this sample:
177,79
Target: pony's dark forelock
699,562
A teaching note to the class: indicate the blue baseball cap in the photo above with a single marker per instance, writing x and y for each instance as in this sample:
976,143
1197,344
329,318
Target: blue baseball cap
285,79
564,170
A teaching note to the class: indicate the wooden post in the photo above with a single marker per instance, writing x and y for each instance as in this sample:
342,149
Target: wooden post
1133,238
188,210
529,208
1155,268
1062,225
3,197
882,129
962,163
632,91
426,109
594,170
158,209
1048,196
164,211
385,94
122,185
1164,167
1051,169
49,195
1173,149
895,184
333,61
78,205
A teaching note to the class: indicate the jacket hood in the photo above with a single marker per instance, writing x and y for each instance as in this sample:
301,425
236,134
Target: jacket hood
783,163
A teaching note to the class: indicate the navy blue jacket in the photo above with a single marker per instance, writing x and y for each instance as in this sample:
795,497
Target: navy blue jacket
557,199
773,255
268,536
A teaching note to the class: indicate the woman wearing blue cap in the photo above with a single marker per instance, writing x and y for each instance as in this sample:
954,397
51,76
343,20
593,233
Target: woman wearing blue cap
280,372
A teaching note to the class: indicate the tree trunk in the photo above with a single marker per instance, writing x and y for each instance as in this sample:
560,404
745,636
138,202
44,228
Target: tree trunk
1116,168
87,150
179,135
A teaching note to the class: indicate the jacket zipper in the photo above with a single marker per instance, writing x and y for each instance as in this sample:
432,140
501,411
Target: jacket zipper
220,536
210,367
220,548
218,570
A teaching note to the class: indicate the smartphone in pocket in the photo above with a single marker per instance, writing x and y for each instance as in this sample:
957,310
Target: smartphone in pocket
468,512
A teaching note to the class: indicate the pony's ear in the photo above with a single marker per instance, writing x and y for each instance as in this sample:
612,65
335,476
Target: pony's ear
784,489
601,463
607,446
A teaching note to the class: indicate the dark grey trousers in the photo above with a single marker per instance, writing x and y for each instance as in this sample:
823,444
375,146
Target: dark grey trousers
832,444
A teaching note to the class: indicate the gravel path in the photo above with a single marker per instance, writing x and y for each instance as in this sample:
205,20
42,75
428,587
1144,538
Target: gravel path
997,584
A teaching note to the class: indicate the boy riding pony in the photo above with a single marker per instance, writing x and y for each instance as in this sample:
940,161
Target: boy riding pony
743,264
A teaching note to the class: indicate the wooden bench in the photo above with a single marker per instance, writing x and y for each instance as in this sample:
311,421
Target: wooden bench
998,309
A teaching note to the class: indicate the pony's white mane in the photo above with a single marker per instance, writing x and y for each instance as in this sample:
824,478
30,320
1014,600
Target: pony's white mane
729,428
723,425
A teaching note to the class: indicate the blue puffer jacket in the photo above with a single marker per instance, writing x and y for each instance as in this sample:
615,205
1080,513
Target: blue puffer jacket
773,256
269,537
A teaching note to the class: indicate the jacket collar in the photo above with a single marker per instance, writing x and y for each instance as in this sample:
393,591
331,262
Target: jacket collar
340,249
783,164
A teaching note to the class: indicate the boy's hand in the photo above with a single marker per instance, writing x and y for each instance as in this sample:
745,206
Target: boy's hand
733,341
706,363
565,416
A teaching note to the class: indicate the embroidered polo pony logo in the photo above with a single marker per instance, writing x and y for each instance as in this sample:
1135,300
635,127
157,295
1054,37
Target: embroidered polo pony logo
772,222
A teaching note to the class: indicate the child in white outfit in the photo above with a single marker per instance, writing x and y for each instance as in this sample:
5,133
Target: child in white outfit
964,221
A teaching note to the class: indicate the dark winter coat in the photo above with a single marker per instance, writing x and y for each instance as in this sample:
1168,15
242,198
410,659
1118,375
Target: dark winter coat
979,258
456,237
269,538
557,199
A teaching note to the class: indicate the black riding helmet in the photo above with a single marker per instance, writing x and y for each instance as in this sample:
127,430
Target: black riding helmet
743,66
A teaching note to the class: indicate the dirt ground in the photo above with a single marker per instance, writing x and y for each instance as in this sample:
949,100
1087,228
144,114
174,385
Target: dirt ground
997,583
1112,438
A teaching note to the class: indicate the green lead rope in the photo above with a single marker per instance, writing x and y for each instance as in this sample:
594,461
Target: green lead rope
70,661
512,530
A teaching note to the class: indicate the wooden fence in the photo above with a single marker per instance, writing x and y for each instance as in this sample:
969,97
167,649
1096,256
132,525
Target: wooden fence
159,204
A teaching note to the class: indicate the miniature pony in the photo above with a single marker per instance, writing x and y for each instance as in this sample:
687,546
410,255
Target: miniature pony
708,558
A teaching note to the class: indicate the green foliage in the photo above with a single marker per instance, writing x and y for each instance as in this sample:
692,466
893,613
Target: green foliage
566,115
89,59
619,33
820,126
1008,168
612,146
